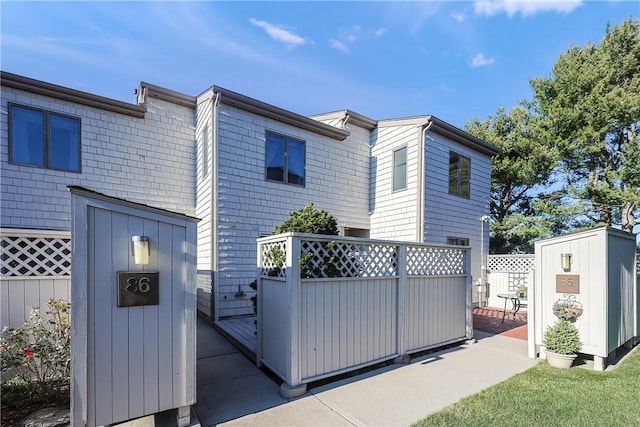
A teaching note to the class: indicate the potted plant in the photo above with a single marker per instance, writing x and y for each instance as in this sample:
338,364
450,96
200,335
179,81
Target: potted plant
561,342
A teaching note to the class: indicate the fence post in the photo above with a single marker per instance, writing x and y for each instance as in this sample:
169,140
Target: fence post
467,271
401,289
259,302
293,386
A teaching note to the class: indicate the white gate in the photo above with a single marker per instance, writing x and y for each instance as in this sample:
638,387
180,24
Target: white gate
507,273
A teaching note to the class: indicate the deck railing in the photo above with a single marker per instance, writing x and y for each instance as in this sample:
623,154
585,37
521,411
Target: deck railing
329,304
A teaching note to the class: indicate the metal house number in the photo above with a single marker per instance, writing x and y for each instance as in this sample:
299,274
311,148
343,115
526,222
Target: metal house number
137,288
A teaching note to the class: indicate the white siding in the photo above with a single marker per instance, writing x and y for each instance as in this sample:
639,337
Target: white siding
337,179
447,215
394,213
146,160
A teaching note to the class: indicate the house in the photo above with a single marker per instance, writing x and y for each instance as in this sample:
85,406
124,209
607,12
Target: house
238,164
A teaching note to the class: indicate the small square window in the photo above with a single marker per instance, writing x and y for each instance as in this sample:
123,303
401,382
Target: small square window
459,175
285,159
44,139
400,169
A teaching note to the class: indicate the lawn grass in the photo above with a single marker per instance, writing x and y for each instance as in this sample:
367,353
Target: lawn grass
546,396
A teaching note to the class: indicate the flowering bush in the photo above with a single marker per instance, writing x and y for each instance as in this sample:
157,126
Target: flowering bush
37,355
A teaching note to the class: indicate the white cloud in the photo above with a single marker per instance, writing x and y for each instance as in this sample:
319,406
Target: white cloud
524,7
337,45
380,32
280,34
458,16
480,61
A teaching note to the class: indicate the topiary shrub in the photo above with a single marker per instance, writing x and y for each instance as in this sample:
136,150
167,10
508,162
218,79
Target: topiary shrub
562,338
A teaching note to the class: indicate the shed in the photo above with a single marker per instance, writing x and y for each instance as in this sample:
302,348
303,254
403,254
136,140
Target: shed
594,270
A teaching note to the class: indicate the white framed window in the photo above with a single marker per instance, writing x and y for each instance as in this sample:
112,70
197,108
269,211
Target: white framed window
44,139
285,159
459,175
400,169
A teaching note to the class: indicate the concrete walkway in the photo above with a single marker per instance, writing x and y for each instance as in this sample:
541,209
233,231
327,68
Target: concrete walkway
232,391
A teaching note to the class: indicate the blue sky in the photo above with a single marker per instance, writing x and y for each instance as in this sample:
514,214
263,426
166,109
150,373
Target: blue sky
455,60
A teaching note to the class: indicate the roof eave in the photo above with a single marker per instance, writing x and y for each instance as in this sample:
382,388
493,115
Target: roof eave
279,114
67,94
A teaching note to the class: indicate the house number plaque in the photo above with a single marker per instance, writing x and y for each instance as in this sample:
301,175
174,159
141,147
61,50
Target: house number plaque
567,283
137,288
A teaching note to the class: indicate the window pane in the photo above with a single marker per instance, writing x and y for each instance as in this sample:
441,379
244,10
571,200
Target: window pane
295,152
27,136
453,173
275,157
465,173
64,143
400,169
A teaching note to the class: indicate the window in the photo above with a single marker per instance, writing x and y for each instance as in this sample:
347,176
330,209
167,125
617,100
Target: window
458,241
400,169
285,159
459,173
44,139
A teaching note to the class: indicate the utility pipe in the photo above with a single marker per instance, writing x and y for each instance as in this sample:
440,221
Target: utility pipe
421,177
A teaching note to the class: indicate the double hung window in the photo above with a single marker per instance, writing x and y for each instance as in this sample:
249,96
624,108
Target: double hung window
459,175
285,159
400,169
44,139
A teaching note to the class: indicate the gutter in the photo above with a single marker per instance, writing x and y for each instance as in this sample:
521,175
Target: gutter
251,105
214,203
71,95
422,143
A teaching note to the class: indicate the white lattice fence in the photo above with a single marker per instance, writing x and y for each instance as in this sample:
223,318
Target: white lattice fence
508,273
435,261
35,253
346,259
35,266
511,263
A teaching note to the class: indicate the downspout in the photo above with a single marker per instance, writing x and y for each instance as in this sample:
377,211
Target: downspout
421,177
214,205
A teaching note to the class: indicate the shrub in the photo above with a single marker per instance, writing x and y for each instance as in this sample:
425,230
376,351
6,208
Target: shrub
562,337
309,220
37,355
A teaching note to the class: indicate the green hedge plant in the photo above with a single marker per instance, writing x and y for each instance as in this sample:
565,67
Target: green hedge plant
562,337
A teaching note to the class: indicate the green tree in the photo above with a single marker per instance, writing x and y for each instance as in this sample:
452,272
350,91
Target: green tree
520,175
589,109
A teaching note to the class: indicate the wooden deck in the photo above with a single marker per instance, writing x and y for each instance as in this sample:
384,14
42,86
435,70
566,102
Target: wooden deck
242,332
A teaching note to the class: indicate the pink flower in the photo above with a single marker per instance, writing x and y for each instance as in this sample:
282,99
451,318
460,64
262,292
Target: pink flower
28,353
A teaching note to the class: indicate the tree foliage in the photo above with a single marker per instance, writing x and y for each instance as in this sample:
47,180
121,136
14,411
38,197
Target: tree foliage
309,220
589,109
520,174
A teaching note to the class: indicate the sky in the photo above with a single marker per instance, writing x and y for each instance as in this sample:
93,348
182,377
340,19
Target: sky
452,59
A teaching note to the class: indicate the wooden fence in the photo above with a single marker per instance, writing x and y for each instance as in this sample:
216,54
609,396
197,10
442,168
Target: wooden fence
336,304
35,266
507,273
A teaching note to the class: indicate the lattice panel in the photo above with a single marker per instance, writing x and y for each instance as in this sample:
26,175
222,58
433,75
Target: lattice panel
35,256
274,259
513,263
344,259
429,261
